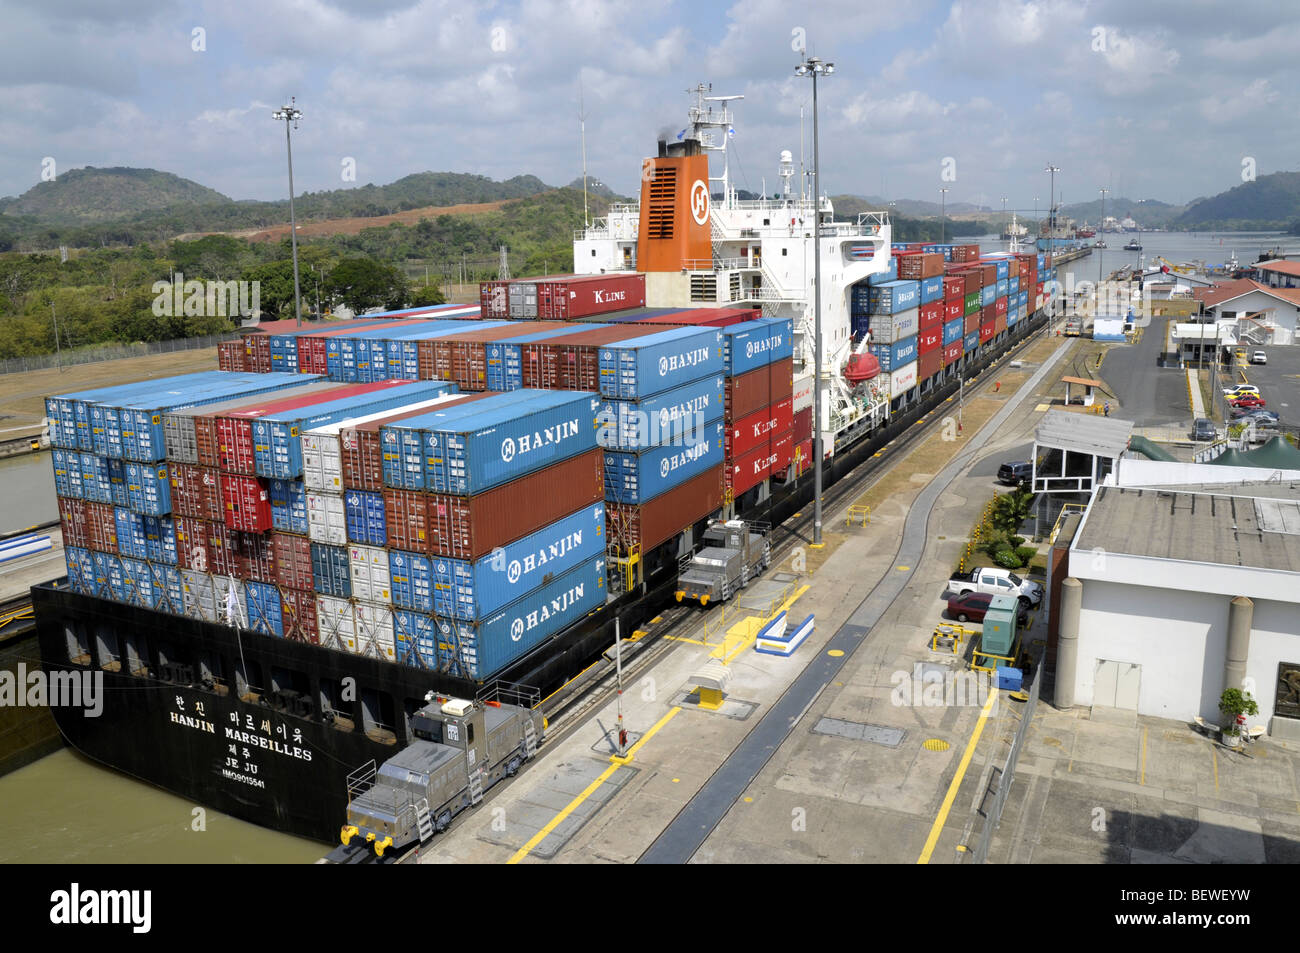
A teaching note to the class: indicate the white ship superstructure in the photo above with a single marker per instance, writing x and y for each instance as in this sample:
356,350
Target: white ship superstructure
713,249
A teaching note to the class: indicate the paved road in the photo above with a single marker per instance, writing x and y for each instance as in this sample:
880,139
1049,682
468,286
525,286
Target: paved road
688,831
1150,396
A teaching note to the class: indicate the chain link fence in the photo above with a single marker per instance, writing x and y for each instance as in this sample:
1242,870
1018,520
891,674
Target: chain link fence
1008,774
116,352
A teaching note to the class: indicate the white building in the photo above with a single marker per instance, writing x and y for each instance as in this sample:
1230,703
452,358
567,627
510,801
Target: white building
1259,314
1178,592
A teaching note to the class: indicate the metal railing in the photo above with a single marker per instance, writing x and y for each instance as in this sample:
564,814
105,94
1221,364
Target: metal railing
1008,775
116,352
717,264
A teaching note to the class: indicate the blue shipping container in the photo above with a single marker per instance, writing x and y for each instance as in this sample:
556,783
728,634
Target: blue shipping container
81,569
131,540
640,477
262,603
505,361
988,295
664,418
168,588
1004,269
137,583
67,473
884,277
277,449
1002,286
952,331
96,485
972,343
160,539
365,517
752,344
480,650
288,506
417,642
895,296
148,490
931,289
649,365
896,355
331,573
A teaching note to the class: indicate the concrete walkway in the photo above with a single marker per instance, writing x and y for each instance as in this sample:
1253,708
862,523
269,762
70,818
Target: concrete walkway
1194,393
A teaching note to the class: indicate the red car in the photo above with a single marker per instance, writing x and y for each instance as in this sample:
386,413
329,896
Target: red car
972,606
1249,400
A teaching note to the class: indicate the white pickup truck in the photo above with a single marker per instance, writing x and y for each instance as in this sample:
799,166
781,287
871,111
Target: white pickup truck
996,582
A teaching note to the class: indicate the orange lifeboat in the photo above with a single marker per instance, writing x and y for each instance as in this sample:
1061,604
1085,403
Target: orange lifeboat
861,367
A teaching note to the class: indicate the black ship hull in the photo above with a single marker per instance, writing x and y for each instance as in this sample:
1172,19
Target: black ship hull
266,754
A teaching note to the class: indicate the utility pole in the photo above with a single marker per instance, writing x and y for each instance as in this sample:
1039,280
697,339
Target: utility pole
582,122
1098,250
58,350
814,67
1051,198
291,114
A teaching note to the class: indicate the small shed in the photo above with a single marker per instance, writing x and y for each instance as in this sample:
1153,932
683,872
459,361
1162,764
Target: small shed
1083,390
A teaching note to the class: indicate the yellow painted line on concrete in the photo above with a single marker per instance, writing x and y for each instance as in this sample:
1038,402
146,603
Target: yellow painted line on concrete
1143,778
1042,407
631,752
835,653
937,828
591,789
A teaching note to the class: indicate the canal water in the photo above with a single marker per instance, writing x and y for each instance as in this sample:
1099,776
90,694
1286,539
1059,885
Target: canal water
68,809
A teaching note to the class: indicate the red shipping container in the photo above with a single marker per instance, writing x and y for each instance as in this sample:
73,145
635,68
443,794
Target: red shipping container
494,299
965,252
913,267
313,346
572,361
362,455
803,457
292,556
706,317
1000,323
803,425
72,518
971,323
953,309
988,274
193,545
929,363
754,467
1000,307
462,357
195,491
748,393
299,613
782,451
932,314
257,353
462,527
230,356
647,525
987,330
746,434
988,313
101,527
952,353
246,503
929,340
954,288
584,295
974,281
239,554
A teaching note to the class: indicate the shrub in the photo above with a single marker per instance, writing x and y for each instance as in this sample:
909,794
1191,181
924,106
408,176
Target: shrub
1007,559
1026,553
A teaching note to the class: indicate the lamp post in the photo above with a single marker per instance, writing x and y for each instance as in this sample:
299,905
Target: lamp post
1099,227
1051,200
943,215
291,114
814,67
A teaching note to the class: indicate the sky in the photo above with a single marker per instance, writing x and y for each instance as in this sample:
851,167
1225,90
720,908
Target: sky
1152,99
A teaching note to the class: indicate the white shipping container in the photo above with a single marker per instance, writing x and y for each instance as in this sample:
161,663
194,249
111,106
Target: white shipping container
198,595
370,577
322,464
326,519
374,622
902,380
888,328
337,624
803,391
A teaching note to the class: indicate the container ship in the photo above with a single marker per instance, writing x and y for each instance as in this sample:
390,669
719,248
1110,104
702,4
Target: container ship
273,564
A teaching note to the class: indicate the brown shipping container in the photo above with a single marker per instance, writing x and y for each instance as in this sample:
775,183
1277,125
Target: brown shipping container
195,491
299,608
989,274
462,357
72,517
101,527
923,265
649,524
494,299
361,453
572,361
929,364
193,544
292,556
461,527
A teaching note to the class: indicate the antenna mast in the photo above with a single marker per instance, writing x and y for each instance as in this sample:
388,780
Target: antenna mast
582,122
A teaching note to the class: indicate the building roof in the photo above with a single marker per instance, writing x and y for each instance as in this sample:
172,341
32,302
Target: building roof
1088,381
1281,267
1084,433
1215,528
1191,331
1232,290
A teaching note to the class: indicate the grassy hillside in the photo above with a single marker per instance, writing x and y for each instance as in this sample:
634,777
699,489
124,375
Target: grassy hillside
1271,201
94,195
1146,212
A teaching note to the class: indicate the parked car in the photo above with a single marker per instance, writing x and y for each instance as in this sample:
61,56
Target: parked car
1258,357
996,582
1248,400
1240,390
971,607
1203,429
1014,474
1263,418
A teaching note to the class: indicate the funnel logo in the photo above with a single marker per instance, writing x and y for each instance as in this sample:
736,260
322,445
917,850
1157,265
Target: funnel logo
513,571
663,366
516,630
700,202
664,467
508,449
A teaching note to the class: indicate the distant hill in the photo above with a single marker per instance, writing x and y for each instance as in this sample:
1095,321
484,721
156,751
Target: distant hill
1146,212
594,187
914,208
1271,201
96,195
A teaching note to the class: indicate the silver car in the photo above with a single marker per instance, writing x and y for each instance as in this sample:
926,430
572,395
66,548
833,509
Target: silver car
1258,357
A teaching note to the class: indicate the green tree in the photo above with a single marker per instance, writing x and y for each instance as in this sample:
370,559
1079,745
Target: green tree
362,284
428,295
275,286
